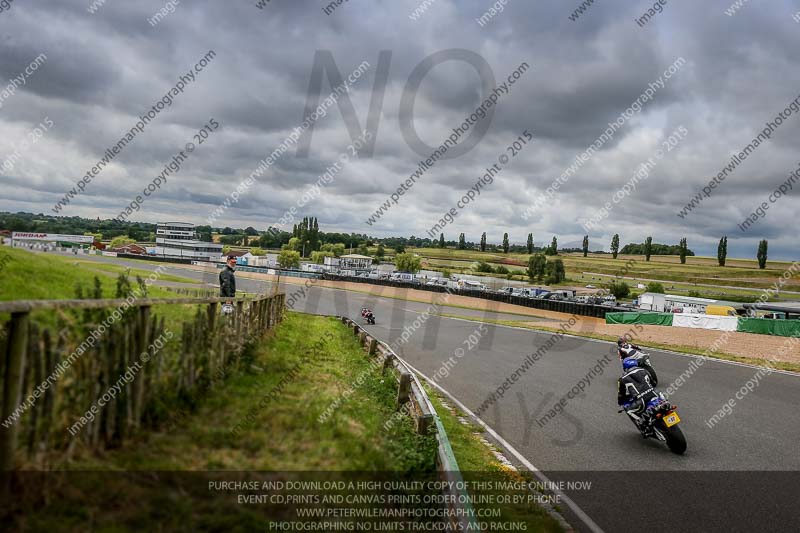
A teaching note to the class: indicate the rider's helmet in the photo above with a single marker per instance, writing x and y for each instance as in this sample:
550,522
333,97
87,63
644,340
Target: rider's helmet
621,341
629,362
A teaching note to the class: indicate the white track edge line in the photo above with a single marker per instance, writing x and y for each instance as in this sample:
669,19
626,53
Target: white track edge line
521,458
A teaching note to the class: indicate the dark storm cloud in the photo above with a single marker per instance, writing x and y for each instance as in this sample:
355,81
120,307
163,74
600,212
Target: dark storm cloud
105,69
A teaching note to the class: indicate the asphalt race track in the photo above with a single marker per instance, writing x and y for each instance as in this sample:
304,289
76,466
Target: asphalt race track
739,475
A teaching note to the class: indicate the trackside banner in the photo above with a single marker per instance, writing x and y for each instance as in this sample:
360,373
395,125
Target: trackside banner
51,237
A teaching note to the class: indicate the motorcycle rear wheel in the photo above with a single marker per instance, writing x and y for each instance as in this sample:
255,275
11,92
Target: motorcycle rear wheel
675,439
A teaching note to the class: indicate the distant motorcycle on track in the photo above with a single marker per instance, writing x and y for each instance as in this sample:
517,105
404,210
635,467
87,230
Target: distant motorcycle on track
368,315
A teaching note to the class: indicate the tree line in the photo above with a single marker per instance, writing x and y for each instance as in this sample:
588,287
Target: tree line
309,235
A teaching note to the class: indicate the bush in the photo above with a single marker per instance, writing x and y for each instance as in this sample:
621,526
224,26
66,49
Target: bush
619,289
654,286
483,266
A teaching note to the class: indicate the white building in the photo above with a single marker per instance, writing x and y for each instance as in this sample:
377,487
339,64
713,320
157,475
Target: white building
355,262
179,239
668,302
268,261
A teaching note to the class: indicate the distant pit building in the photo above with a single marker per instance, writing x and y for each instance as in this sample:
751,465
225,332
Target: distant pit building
179,239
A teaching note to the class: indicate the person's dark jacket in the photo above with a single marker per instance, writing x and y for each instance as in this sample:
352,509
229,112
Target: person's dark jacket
227,283
635,385
642,361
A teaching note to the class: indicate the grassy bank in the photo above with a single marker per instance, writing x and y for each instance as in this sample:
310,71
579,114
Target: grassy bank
45,276
309,364
308,373
30,275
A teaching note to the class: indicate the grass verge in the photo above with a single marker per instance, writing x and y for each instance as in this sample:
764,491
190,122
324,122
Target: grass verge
477,461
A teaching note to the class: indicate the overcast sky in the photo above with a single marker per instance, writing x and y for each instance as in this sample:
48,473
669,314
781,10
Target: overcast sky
104,70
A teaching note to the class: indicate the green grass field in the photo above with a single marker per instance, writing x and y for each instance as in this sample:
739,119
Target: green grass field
743,274
43,276
116,269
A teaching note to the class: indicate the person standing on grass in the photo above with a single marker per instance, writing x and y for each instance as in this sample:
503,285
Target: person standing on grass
227,280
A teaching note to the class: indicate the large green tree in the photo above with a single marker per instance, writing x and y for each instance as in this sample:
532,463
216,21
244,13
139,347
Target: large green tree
407,263
615,245
122,240
536,267
722,251
648,248
553,248
441,240
318,257
762,253
462,242
585,245
505,243
336,249
483,242
555,272
289,259
293,244
530,243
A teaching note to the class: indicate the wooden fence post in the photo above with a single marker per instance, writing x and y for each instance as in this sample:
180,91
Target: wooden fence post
35,363
212,316
404,388
239,321
142,342
50,395
15,360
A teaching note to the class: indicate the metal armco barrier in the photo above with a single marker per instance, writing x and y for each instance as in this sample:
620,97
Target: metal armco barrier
410,390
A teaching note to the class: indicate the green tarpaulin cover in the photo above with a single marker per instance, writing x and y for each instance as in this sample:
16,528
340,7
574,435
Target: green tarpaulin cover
654,319
769,326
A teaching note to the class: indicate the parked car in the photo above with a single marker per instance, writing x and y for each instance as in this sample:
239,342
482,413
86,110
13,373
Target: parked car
403,276
591,287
